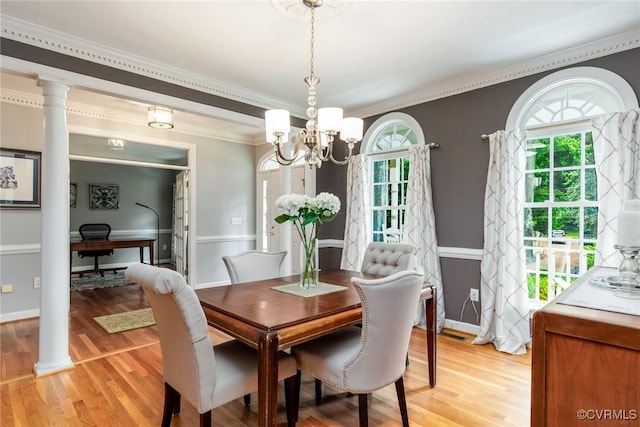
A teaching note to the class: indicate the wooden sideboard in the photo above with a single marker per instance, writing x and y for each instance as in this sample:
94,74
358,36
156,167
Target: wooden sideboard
585,364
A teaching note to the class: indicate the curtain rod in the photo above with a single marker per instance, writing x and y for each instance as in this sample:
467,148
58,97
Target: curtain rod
484,136
433,145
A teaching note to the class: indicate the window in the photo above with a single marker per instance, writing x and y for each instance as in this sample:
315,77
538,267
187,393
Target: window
560,203
386,143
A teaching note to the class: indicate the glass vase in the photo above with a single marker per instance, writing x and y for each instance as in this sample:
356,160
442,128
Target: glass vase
309,264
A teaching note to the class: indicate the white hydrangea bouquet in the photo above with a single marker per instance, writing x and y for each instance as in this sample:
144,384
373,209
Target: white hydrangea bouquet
307,214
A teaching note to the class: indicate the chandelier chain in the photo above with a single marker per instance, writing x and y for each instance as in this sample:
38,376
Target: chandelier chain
313,20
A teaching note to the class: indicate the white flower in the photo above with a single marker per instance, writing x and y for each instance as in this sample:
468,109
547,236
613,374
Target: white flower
327,202
290,204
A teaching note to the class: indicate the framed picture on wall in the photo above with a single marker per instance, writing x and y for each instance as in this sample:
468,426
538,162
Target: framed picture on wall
19,178
73,191
103,196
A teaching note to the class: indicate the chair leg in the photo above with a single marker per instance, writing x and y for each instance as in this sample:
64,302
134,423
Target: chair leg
318,391
205,419
402,402
363,412
298,382
247,400
291,399
170,396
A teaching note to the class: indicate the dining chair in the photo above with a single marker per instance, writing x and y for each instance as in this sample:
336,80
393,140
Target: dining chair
388,258
95,232
206,376
249,266
363,360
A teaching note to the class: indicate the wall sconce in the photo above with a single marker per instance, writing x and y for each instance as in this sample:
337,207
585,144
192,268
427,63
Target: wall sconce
115,144
160,117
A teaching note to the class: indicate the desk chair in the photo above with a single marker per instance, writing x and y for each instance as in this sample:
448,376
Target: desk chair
95,232
206,376
363,360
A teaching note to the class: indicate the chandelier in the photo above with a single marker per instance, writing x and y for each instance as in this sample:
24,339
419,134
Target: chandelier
322,124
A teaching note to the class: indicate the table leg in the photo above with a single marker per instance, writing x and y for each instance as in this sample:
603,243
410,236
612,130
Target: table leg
268,380
151,254
430,314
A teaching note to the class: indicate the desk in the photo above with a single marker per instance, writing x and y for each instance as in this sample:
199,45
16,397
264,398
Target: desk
270,321
96,245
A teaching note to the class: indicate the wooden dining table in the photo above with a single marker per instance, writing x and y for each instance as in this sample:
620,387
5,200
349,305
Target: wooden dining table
270,320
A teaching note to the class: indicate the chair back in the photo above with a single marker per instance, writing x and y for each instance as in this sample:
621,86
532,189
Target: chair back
389,307
388,258
187,353
95,231
253,265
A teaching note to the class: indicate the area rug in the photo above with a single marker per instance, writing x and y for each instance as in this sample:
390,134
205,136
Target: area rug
120,322
95,281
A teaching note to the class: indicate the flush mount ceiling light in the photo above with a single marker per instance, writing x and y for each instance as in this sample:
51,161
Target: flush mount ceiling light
322,124
160,117
115,144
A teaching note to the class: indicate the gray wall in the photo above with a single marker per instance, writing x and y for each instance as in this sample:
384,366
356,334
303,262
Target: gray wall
459,169
149,186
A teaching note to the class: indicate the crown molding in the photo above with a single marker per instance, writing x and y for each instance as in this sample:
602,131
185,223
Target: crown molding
10,96
28,33
562,58
46,38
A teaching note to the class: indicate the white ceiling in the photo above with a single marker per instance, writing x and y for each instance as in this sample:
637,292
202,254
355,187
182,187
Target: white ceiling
372,56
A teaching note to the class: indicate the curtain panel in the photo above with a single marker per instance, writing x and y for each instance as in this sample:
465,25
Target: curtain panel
357,215
616,143
503,284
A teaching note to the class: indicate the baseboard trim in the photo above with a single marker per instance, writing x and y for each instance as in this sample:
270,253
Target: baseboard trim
462,326
19,315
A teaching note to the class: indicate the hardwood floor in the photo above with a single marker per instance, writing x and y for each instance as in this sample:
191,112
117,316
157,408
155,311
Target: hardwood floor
117,380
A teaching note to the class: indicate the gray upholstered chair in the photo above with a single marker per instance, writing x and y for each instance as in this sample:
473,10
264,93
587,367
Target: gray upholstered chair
388,258
206,376
362,360
253,265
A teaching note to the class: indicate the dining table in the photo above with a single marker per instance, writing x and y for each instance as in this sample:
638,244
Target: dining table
271,320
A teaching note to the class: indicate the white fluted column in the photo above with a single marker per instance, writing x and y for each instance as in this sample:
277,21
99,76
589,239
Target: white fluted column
54,292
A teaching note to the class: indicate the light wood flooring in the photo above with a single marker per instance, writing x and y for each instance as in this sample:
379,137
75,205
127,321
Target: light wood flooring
117,380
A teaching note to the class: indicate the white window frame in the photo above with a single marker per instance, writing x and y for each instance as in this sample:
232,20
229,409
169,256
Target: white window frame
620,94
400,153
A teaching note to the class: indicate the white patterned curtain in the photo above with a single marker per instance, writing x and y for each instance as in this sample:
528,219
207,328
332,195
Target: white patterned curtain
420,226
357,220
616,143
503,281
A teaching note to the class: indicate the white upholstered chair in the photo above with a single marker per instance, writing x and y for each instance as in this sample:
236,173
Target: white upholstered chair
362,360
388,258
253,265
206,376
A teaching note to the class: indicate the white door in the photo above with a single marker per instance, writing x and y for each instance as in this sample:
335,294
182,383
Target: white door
268,238
181,227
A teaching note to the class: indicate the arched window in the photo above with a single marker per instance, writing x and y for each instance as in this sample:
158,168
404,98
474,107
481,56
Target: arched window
386,143
561,202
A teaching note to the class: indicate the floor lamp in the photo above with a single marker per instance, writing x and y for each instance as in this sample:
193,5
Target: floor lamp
157,232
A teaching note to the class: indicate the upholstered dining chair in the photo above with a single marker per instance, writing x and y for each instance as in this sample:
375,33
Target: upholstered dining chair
388,258
253,265
206,376
95,232
362,360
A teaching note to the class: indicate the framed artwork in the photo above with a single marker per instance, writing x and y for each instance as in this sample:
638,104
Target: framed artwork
73,191
103,196
19,178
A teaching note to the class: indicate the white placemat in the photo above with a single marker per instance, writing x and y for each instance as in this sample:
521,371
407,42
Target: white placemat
321,289
592,296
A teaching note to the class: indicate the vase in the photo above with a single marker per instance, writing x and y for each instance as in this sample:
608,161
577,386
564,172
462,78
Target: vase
309,264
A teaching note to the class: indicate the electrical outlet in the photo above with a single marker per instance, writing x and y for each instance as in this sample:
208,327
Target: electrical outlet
7,289
164,247
36,282
474,294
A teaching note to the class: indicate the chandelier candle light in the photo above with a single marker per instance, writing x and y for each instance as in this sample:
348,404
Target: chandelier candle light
322,124
307,214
